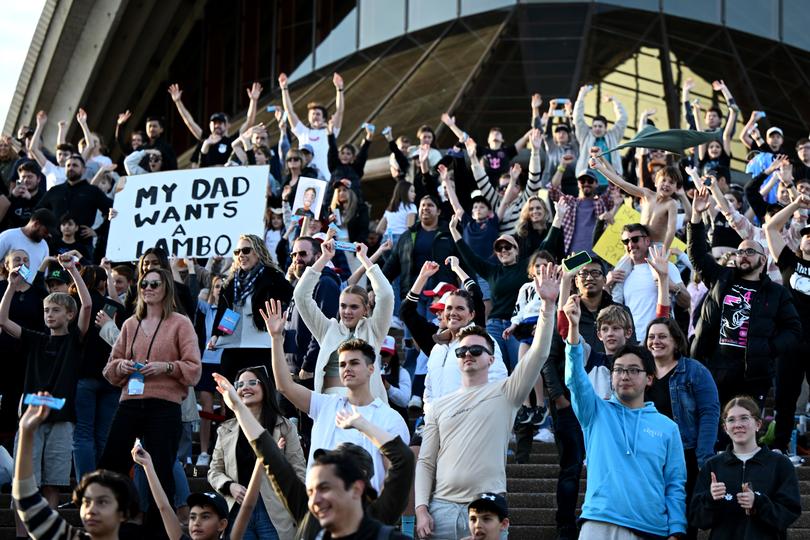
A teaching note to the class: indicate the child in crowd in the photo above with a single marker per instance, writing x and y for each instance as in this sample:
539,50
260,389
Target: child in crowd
68,242
274,235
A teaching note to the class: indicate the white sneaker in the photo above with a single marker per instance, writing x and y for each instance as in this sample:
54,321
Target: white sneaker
415,402
203,460
396,322
544,435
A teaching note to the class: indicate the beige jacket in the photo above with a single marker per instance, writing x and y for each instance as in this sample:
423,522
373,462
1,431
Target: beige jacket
224,469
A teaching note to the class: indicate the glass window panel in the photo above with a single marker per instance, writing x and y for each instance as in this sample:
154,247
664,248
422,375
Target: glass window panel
795,22
758,17
424,13
707,11
339,43
380,20
468,7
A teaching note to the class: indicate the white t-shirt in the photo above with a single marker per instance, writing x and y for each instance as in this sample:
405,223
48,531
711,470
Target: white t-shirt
15,239
398,221
54,175
317,138
325,434
641,295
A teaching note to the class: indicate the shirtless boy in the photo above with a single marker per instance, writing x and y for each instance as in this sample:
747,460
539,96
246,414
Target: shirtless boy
659,209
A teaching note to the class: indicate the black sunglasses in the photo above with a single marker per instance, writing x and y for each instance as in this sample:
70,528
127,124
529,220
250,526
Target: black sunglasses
244,251
634,239
293,158
504,247
474,350
151,283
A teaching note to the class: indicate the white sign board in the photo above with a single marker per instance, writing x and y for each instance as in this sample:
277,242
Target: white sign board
188,213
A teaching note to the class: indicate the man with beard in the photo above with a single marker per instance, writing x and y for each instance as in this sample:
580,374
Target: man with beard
214,148
30,238
24,194
746,322
79,198
154,130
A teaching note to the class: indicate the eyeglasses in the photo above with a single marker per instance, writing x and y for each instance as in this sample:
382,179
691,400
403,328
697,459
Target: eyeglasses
474,350
633,239
504,247
293,158
151,283
249,382
242,251
632,371
747,252
744,419
594,274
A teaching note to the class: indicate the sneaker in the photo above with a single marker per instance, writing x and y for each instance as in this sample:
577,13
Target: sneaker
524,415
542,418
397,323
544,435
203,460
415,406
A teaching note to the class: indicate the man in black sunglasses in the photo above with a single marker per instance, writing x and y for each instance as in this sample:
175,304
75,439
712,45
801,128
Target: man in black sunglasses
466,433
747,322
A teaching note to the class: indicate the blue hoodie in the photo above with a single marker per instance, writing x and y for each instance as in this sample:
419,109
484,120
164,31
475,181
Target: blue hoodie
636,469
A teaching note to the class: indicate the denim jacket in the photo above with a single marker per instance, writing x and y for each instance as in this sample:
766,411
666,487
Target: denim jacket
695,406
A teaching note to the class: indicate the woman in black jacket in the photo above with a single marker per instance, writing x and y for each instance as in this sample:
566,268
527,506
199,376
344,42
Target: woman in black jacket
748,492
254,280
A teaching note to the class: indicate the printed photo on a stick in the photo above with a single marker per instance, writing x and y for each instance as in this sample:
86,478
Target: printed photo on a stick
309,197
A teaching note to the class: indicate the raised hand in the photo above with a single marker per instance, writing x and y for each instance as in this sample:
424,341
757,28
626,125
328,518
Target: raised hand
337,80
701,201
718,86
282,80
454,221
429,268
472,148
442,168
572,310
81,116
536,139
537,101
35,415
141,456
102,318
717,489
514,171
689,84
361,250
567,160
424,152
273,316
453,262
597,164
175,92
658,261
547,283
42,118
560,209
448,120
328,250
255,91
123,117
227,391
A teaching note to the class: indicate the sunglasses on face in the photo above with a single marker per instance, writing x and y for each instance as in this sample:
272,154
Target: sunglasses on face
748,252
474,350
242,251
151,283
249,382
587,180
504,247
293,158
633,239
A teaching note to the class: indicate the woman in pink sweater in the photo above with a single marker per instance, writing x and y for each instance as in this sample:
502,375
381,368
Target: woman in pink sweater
155,359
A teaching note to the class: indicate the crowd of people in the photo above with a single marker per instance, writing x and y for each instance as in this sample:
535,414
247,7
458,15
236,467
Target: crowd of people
377,391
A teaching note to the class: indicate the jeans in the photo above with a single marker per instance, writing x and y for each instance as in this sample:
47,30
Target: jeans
510,348
791,370
157,423
260,526
571,447
96,403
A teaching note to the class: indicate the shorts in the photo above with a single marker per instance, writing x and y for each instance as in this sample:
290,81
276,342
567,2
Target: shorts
52,453
207,383
484,285
450,521
599,530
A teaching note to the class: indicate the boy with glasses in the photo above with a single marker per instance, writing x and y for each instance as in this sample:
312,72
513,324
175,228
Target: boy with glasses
472,425
626,440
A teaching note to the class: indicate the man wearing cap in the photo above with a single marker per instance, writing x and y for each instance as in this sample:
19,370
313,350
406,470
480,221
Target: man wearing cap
558,142
466,433
746,322
310,166
488,516
396,379
460,309
316,135
30,238
57,280
214,148
583,210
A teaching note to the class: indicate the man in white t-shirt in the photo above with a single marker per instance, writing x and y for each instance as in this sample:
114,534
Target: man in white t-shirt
54,172
315,135
30,238
639,289
356,364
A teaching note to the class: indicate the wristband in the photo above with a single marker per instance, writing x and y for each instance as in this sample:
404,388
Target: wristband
561,168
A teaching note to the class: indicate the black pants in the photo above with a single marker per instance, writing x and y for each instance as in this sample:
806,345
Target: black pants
234,360
732,383
791,370
571,449
157,423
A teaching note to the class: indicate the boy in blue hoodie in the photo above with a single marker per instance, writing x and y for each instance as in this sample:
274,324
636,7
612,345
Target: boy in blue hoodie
636,470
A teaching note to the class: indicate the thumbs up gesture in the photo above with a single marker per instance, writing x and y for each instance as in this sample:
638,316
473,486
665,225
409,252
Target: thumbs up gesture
745,498
717,489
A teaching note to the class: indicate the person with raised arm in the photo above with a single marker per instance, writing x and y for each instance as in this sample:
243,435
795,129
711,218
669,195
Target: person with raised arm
354,320
316,134
625,434
598,134
472,425
356,365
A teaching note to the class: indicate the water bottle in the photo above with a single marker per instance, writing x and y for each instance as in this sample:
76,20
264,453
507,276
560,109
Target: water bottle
792,447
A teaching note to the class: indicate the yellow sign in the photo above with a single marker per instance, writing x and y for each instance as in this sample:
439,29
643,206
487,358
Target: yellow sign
610,247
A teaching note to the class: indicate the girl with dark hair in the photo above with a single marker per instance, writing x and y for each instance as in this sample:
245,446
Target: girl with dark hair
154,360
400,214
156,257
748,492
254,279
233,458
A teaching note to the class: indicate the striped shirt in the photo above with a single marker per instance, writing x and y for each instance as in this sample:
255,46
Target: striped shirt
41,521
511,215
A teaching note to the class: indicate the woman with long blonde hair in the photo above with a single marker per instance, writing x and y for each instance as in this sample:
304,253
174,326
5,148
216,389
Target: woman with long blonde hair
238,325
532,224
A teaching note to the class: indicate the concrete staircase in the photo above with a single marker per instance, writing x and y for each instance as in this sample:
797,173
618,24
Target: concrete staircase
531,498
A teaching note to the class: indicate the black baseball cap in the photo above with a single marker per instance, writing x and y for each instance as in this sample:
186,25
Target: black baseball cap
57,275
588,174
209,498
219,117
805,230
491,501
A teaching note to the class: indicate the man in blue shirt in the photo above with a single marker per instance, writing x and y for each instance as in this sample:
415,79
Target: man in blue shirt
636,468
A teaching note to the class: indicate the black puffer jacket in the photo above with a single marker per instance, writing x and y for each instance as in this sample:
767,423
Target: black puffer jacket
774,327
777,501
